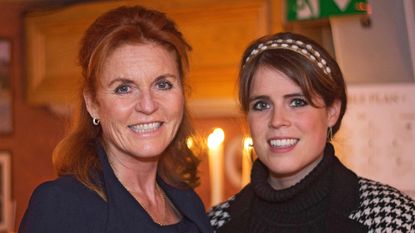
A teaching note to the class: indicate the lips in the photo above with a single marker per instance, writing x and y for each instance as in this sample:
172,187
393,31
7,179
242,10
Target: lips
145,127
283,142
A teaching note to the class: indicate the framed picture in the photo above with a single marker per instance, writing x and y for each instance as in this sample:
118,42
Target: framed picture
5,190
5,87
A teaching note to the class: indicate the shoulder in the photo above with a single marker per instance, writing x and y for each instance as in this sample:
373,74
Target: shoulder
219,214
384,208
66,189
60,204
235,206
63,183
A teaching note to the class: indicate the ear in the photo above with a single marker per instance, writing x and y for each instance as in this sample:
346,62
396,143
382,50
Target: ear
333,112
91,104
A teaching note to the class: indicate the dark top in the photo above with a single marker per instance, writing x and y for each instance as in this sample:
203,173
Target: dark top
304,207
331,198
66,206
184,226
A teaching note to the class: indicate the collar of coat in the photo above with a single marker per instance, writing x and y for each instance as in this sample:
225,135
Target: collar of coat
125,216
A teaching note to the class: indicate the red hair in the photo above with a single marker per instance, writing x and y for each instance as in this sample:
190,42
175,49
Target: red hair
76,153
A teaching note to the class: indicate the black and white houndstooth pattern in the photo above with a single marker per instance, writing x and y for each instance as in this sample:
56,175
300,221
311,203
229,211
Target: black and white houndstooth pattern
218,215
382,209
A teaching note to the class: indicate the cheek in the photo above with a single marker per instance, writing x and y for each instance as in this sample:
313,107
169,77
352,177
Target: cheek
315,124
116,110
173,105
251,122
257,125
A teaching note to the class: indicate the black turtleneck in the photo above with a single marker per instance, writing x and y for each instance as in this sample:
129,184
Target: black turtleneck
320,202
300,207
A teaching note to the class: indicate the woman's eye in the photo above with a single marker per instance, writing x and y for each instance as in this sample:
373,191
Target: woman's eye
260,106
297,102
164,85
122,89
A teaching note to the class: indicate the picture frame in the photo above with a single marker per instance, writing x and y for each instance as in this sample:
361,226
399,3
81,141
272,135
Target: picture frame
6,123
5,190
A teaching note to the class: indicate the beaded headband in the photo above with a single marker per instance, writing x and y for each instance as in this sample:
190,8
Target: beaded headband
293,45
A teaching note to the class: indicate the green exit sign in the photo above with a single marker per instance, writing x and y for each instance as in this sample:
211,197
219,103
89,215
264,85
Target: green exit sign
316,9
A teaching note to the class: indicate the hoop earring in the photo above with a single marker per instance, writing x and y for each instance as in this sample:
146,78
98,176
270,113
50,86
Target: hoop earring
330,134
95,121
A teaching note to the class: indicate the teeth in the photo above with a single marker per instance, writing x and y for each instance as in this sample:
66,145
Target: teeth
283,142
145,128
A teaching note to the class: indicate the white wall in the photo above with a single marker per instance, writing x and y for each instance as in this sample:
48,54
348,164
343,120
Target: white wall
380,53
377,137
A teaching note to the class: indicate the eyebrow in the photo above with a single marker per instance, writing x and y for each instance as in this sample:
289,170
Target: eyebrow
266,97
129,81
299,94
121,80
166,76
259,97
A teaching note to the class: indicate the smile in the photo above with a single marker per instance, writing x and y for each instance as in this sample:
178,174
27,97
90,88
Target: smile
287,142
145,128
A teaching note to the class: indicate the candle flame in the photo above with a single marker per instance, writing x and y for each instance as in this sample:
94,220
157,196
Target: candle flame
189,142
216,138
248,143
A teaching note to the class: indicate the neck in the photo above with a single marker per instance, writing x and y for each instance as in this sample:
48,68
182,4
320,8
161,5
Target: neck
279,182
135,175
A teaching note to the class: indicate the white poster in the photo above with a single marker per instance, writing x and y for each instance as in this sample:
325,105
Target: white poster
377,136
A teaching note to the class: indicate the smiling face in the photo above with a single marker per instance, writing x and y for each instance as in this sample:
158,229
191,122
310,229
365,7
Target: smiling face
288,133
139,101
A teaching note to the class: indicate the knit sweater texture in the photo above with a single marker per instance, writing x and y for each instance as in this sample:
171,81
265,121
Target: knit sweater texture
331,198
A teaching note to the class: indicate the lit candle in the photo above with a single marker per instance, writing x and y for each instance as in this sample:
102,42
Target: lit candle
189,142
215,144
246,161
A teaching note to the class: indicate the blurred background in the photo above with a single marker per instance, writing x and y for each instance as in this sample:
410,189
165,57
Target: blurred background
373,42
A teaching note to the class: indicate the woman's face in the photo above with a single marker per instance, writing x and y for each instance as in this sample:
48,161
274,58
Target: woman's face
289,134
139,101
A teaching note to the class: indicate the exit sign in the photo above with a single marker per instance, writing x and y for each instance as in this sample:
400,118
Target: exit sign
316,9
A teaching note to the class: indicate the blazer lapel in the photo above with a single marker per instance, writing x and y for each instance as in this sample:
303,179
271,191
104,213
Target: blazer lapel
344,199
124,215
337,223
189,204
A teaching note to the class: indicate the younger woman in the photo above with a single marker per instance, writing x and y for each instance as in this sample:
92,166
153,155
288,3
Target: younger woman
294,96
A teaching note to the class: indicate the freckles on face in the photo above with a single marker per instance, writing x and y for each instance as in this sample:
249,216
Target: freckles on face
289,134
139,100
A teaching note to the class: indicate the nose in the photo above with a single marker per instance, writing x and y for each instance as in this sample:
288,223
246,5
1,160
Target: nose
146,104
279,118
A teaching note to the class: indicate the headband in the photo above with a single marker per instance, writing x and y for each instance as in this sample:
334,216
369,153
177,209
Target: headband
294,45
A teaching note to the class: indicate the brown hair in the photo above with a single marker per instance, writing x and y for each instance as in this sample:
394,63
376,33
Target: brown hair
76,153
302,70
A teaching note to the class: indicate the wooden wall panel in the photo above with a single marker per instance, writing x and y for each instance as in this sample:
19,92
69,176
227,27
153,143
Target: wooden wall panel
218,34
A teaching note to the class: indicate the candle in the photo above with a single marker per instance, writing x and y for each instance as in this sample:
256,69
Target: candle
189,143
215,145
246,161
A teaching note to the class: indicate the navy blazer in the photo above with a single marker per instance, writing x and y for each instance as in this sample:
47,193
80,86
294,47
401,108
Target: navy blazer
66,206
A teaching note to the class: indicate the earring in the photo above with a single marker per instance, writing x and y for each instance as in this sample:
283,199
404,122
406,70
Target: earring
330,134
95,121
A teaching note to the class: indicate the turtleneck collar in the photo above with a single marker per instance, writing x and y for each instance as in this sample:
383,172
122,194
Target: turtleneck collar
317,180
320,202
